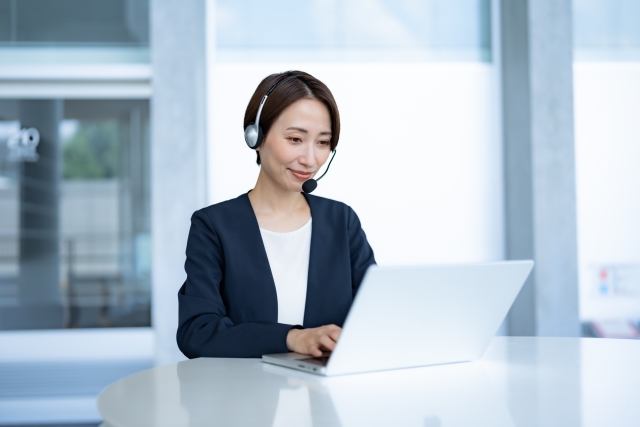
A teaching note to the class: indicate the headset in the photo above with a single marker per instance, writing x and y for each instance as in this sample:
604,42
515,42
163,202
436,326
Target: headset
254,136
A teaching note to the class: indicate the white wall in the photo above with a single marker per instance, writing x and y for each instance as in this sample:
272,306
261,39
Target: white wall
419,157
607,124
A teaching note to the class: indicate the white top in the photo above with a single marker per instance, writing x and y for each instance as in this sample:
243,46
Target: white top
288,255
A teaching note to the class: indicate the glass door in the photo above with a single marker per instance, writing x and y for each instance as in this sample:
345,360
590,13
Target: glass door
74,203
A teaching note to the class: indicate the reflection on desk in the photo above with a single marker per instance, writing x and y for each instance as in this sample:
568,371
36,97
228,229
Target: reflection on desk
519,382
450,395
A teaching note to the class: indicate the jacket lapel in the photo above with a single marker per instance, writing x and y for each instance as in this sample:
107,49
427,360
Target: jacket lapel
258,264
315,275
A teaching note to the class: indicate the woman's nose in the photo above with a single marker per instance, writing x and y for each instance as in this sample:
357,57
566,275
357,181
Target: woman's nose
308,157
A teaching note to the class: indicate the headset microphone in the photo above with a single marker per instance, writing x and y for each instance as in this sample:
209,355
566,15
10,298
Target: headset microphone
309,185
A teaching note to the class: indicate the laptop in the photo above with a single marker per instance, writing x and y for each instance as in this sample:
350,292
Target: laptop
406,317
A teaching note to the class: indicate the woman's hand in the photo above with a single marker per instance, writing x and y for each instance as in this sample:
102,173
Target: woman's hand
313,341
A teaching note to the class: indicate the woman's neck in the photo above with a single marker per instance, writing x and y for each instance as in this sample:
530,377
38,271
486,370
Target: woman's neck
268,198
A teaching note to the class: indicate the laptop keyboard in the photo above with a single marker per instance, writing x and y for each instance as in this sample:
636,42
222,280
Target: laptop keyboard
322,360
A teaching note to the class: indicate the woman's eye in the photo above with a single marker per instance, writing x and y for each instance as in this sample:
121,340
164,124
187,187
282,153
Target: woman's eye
324,142
295,139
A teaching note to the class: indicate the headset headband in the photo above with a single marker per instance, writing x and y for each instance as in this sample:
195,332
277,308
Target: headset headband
264,98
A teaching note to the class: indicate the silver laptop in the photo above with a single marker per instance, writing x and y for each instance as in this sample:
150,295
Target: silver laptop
405,317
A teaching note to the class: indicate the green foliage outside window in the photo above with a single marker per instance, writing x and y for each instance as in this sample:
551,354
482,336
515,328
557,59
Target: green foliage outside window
92,151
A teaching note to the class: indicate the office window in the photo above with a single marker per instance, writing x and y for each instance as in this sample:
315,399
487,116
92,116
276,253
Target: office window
415,86
44,32
74,209
607,30
607,107
74,22
352,30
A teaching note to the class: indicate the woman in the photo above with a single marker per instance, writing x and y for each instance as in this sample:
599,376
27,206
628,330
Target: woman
275,269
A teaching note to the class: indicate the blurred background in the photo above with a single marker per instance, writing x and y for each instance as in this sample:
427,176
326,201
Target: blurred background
119,119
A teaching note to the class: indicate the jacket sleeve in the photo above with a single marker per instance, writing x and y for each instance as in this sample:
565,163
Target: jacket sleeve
204,330
361,253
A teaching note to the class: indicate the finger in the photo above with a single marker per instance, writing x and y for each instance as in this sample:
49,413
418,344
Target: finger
312,346
315,351
332,327
334,333
327,342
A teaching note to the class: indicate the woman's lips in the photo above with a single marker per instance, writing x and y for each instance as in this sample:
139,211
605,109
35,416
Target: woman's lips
301,175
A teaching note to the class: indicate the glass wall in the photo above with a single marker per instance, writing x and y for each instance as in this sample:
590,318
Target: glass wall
607,30
74,22
74,209
75,254
74,31
417,92
352,30
607,135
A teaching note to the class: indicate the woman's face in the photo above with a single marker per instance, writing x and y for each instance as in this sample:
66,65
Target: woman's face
297,145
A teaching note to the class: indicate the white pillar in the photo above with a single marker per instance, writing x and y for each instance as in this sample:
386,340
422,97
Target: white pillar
540,202
178,147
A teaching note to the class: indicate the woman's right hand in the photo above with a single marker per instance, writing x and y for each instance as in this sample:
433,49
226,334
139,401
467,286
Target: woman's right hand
313,341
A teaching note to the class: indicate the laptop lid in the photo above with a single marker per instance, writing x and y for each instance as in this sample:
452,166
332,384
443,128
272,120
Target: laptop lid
424,315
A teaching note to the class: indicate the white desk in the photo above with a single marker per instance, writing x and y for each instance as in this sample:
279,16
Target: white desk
519,382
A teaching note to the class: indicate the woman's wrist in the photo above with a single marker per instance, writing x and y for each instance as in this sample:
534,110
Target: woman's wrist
291,336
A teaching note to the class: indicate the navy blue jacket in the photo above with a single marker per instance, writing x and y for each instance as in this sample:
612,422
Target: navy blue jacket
228,305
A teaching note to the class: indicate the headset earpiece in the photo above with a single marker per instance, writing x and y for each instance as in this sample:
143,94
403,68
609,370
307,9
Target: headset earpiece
253,135
253,132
